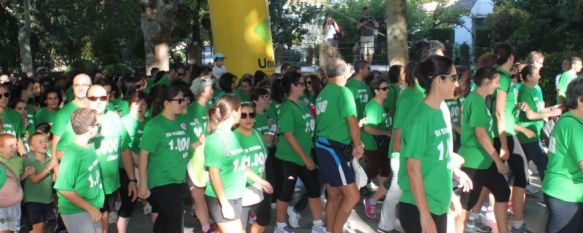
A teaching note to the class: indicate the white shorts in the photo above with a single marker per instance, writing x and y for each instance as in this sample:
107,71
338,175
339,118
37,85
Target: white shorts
367,45
10,218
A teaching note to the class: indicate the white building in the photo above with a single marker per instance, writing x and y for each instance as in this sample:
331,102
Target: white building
479,9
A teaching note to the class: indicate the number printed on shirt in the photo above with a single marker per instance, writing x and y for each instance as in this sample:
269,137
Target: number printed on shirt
310,126
321,106
94,182
552,146
442,150
181,144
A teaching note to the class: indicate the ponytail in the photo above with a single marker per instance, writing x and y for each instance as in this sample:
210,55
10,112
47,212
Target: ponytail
224,108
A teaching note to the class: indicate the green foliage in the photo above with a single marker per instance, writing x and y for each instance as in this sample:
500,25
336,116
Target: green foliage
117,70
287,18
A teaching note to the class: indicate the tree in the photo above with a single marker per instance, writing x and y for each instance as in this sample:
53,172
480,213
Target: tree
21,12
287,18
157,27
397,51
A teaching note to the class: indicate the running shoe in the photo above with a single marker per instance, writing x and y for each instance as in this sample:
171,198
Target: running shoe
369,209
319,229
522,229
293,217
474,225
285,229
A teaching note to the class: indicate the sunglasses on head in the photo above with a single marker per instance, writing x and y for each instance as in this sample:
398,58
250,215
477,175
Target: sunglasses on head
180,101
5,95
245,115
95,98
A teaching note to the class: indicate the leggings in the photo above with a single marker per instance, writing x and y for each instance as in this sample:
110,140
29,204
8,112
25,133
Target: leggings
167,201
409,218
289,176
564,217
534,151
262,212
515,162
127,205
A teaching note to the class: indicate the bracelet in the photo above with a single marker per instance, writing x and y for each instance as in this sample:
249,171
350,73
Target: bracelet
134,180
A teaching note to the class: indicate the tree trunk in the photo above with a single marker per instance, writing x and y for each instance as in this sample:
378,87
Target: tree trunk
157,26
195,48
24,38
397,48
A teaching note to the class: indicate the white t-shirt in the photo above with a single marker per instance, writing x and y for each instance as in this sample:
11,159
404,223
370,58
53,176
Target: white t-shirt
329,31
218,71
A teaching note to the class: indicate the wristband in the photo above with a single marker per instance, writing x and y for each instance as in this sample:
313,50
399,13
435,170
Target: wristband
134,180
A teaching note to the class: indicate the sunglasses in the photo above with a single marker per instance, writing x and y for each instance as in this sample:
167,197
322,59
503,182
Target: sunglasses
181,74
245,115
95,98
180,101
384,88
452,77
5,95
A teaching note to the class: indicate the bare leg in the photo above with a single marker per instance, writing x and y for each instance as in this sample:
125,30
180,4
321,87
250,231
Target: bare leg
382,190
281,210
40,228
255,228
349,198
122,224
501,214
518,198
315,208
104,222
334,197
200,207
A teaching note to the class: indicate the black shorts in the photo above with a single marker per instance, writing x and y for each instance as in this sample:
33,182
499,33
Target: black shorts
216,212
334,163
39,212
489,178
262,212
411,223
515,163
127,205
109,202
289,177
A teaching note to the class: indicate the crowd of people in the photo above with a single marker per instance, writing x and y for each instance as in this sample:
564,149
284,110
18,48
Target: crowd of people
433,141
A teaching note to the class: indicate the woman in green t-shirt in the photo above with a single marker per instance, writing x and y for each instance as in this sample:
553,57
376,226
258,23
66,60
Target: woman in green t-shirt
11,122
51,101
294,150
376,141
427,180
261,99
245,88
255,198
482,162
227,164
563,184
166,147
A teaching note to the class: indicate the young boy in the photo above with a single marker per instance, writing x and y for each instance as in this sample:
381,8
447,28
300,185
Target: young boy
10,216
38,187
79,187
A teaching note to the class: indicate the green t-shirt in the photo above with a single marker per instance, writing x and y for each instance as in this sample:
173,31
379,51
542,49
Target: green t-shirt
79,172
69,94
16,164
361,93
165,81
408,98
261,125
564,178
536,103
566,78
333,105
218,94
376,117
3,176
168,143
295,119
254,150
62,125
198,119
392,96
245,99
506,86
46,116
110,141
223,151
475,115
12,123
121,106
427,139
454,106
273,111
135,129
30,128
41,192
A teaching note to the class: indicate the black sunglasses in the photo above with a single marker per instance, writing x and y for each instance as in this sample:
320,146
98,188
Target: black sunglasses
180,101
245,115
6,95
95,98
383,88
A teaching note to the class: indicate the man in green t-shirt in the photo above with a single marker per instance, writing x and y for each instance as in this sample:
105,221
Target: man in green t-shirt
79,187
111,142
336,130
361,92
567,77
61,125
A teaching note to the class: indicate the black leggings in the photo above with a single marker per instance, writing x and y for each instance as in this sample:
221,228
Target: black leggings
409,218
167,201
489,178
262,212
289,176
272,171
515,162
127,205
564,217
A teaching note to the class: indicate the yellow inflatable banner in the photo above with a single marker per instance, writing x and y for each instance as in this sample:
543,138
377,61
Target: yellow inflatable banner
241,31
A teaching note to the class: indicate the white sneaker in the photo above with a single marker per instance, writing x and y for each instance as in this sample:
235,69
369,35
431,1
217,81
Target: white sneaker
319,229
293,217
285,229
531,190
147,209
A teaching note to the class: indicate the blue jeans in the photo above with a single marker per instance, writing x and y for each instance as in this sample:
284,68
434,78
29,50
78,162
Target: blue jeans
534,151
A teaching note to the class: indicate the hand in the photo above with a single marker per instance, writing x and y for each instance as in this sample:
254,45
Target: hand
528,133
362,122
143,192
266,186
504,154
357,151
465,183
310,165
29,171
53,163
455,206
556,112
227,210
95,214
132,191
524,106
502,169
427,224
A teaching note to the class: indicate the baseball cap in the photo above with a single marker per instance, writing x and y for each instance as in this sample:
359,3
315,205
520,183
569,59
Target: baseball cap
199,84
218,56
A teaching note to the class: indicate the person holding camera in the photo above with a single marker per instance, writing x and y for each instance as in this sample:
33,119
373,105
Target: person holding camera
368,27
